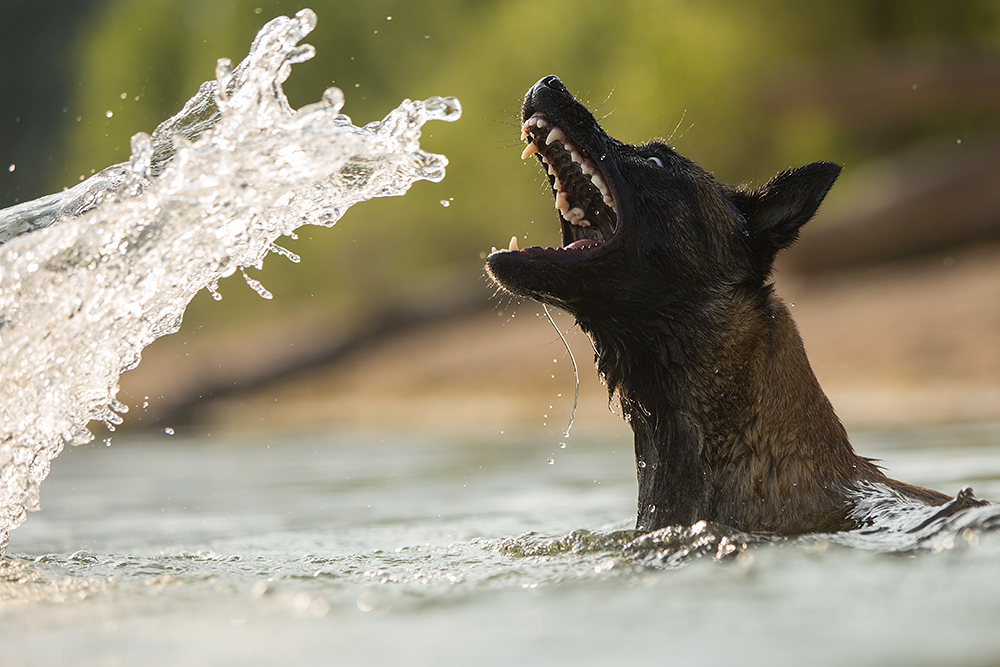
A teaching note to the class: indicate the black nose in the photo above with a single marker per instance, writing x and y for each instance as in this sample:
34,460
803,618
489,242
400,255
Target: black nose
552,81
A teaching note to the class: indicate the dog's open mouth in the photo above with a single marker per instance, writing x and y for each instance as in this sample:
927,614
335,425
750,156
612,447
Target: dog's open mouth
583,198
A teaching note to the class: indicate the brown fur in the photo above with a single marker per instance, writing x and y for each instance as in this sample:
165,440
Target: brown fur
673,287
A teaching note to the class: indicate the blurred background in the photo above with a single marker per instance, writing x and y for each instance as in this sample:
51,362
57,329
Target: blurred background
389,321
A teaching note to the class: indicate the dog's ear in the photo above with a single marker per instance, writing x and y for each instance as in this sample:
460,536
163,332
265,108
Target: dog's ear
775,211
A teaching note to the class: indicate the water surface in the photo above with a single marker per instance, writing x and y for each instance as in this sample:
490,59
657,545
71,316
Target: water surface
334,548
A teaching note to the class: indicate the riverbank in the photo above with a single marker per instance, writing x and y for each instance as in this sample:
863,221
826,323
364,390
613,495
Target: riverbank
901,345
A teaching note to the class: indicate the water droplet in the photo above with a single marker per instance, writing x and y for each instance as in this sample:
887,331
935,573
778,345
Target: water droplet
562,445
366,602
284,252
11,168
257,10
642,464
652,508
445,203
447,109
551,461
109,113
123,96
168,431
256,286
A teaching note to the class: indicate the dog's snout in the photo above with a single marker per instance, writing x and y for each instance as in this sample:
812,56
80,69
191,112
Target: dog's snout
552,81
547,94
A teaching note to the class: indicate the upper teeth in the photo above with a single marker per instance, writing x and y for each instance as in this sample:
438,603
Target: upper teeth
535,121
573,214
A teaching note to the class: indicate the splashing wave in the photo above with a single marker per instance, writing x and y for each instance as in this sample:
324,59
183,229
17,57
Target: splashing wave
90,276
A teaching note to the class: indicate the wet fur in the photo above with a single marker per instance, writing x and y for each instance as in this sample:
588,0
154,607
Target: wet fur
730,422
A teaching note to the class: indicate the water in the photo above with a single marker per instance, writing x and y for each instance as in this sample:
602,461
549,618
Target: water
316,548
335,548
90,276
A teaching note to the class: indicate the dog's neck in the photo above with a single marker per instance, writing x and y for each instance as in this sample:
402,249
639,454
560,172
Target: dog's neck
735,428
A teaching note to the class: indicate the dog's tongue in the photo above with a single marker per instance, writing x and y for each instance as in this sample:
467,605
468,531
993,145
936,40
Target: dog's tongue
581,244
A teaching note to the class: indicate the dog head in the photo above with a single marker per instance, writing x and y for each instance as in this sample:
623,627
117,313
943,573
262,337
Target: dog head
643,227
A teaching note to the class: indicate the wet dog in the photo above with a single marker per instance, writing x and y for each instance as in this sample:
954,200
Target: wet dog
668,271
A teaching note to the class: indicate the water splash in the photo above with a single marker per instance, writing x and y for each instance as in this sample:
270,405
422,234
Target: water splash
669,547
90,276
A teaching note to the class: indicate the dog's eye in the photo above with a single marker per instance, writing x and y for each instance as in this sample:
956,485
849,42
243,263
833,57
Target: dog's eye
655,160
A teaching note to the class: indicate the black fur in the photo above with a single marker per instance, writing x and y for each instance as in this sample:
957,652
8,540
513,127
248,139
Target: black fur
672,285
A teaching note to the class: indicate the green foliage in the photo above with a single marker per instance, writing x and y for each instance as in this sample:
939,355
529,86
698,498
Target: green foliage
710,76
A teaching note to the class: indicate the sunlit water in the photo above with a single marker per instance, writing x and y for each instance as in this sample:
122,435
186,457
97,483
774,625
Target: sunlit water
325,548
90,276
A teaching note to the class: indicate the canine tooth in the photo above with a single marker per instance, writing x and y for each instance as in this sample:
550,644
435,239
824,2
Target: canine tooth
513,244
494,250
555,134
529,150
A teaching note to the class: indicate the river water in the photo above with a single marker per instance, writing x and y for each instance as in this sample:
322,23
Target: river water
358,549
349,548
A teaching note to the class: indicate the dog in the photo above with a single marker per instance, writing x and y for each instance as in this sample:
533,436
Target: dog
668,271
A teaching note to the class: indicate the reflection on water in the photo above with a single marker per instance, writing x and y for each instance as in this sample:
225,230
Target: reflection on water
306,547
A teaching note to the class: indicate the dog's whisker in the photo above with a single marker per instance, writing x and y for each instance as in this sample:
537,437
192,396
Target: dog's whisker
676,127
576,372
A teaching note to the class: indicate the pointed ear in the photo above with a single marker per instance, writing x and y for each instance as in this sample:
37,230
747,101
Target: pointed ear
775,211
